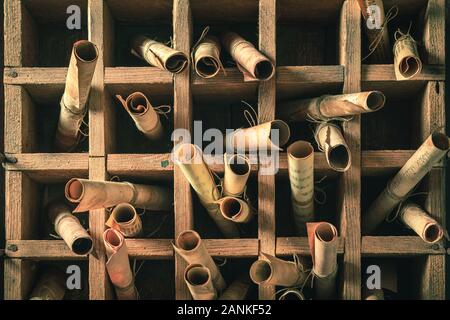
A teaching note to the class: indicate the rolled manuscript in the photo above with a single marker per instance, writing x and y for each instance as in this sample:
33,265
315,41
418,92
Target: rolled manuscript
252,63
125,219
73,103
376,30
237,171
198,280
407,63
330,139
372,294
267,136
158,54
189,158
274,271
51,286
190,247
144,116
68,227
292,294
236,210
301,178
322,238
206,56
328,107
417,219
238,289
91,195
421,162
118,265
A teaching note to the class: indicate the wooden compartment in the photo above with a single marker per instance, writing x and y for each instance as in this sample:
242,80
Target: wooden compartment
324,38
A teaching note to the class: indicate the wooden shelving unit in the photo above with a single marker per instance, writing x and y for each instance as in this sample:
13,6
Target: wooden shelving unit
34,80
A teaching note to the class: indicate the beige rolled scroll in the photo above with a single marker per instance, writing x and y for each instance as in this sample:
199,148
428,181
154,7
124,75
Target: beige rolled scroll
198,280
158,54
417,219
252,63
322,238
236,210
292,294
236,173
238,289
407,63
189,158
206,56
377,31
267,136
51,286
90,195
420,163
118,265
144,116
190,247
301,178
125,218
327,107
68,227
372,294
73,102
274,271
330,139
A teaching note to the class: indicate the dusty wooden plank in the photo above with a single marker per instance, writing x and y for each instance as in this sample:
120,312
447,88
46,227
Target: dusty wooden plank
35,76
385,72
398,246
433,37
349,39
432,281
288,246
382,162
19,279
40,250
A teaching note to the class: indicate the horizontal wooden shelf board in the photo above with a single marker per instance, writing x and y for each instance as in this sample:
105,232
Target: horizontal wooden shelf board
385,72
287,246
40,250
395,246
382,162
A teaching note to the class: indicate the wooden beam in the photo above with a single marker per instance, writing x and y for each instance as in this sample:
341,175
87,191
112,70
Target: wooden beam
385,73
398,246
288,246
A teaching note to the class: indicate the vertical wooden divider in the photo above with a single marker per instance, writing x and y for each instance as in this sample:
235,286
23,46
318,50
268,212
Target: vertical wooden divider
350,226
266,112
182,37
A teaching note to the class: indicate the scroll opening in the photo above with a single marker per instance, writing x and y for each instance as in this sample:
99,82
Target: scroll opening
112,238
176,62
410,66
185,153
300,149
292,295
138,103
375,100
188,240
326,232
339,158
75,190
124,213
197,275
284,132
231,207
238,167
440,141
260,271
207,66
264,70
86,51
433,233
82,246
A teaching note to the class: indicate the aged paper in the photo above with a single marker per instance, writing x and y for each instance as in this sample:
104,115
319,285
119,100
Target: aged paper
417,219
332,142
198,280
236,210
238,289
237,171
407,63
125,218
50,286
206,56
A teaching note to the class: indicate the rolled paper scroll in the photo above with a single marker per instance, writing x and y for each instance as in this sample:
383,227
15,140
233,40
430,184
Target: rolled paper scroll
322,238
237,171
301,178
252,63
73,103
267,136
327,107
206,56
330,139
198,280
421,162
292,294
274,271
417,219
118,265
68,227
51,286
91,195
372,294
190,247
238,289
375,23
407,63
158,54
144,116
236,210
189,158
125,218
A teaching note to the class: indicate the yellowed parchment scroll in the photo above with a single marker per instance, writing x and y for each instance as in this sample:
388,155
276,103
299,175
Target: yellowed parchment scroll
237,171
125,219
407,63
190,247
158,54
90,195
238,289
236,209
73,103
199,282
421,162
50,286
330,139
206,56
292,294
144,116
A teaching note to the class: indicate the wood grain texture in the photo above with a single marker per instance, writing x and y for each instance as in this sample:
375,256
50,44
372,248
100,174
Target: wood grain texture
41,250
398,246
350,228
288,246
385,72
19,279
383,162
434,32
432,281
